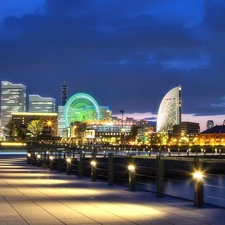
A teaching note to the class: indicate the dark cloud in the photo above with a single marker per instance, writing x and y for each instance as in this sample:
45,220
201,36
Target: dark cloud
124,53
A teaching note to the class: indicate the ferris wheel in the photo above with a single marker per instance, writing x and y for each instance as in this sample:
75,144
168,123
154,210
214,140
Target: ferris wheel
81,107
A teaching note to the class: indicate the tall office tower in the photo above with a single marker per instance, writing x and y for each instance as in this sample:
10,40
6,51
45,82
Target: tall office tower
169,113
209,124
64,94
13,99
41,104
62,131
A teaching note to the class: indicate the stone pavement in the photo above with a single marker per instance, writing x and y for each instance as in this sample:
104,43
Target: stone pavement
32,195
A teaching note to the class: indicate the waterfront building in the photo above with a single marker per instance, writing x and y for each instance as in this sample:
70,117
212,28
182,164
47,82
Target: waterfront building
209,124
185,133
169,113
23,118
41,104
109,132
214,136
13,99
186,128
64,94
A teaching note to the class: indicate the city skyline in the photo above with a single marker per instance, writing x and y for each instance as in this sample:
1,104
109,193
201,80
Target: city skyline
126,54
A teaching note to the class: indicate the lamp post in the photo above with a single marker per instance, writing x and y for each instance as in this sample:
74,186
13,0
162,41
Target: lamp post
122,130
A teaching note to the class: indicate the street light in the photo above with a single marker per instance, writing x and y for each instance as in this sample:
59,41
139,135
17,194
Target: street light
122,130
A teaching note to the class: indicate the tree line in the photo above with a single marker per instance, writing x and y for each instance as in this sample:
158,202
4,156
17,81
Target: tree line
34,128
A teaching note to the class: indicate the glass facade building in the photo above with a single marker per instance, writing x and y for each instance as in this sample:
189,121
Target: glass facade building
169,113
13,99
41,104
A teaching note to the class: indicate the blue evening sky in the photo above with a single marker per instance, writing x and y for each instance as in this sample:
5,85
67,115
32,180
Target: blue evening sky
127,54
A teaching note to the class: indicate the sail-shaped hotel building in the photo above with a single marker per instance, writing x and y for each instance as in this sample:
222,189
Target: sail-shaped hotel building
169,113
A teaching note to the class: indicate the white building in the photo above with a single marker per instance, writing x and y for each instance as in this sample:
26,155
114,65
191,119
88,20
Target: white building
41,104
13,99
169,113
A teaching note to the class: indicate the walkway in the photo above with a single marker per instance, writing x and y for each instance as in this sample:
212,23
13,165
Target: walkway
32,195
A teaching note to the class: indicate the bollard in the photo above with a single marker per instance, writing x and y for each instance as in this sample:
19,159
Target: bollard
132,174
28,158
93,170
110,169
198,189
51,162
38,160
80,165
160,176
132,177
68,166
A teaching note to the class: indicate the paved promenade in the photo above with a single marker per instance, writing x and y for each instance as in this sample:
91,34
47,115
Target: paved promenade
32,195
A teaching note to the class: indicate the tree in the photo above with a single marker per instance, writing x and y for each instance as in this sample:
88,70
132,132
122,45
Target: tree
11,130
134,131
36,127
21,132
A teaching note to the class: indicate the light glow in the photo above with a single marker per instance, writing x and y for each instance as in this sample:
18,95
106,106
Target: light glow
13,144
68,160
198,175
131,167
93,163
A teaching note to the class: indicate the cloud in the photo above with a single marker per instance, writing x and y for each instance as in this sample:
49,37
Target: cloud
125,57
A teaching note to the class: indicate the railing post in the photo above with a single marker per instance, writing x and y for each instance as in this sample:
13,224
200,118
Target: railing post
59,161
160,176
110,169
51,159
44,159
132,174
68,166
80,165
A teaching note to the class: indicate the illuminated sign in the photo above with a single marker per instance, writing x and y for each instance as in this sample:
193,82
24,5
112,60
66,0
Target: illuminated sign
90,134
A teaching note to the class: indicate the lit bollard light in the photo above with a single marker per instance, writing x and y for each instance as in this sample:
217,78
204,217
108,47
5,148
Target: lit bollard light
51,158
28,158
93,170
132,177
68,166
169,152
198,189
38,160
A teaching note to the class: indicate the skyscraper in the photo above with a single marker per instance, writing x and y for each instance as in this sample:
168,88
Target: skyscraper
64,94
41,104
13,99
169,113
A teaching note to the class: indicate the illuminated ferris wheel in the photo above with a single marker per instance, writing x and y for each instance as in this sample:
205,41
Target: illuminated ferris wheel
81,107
